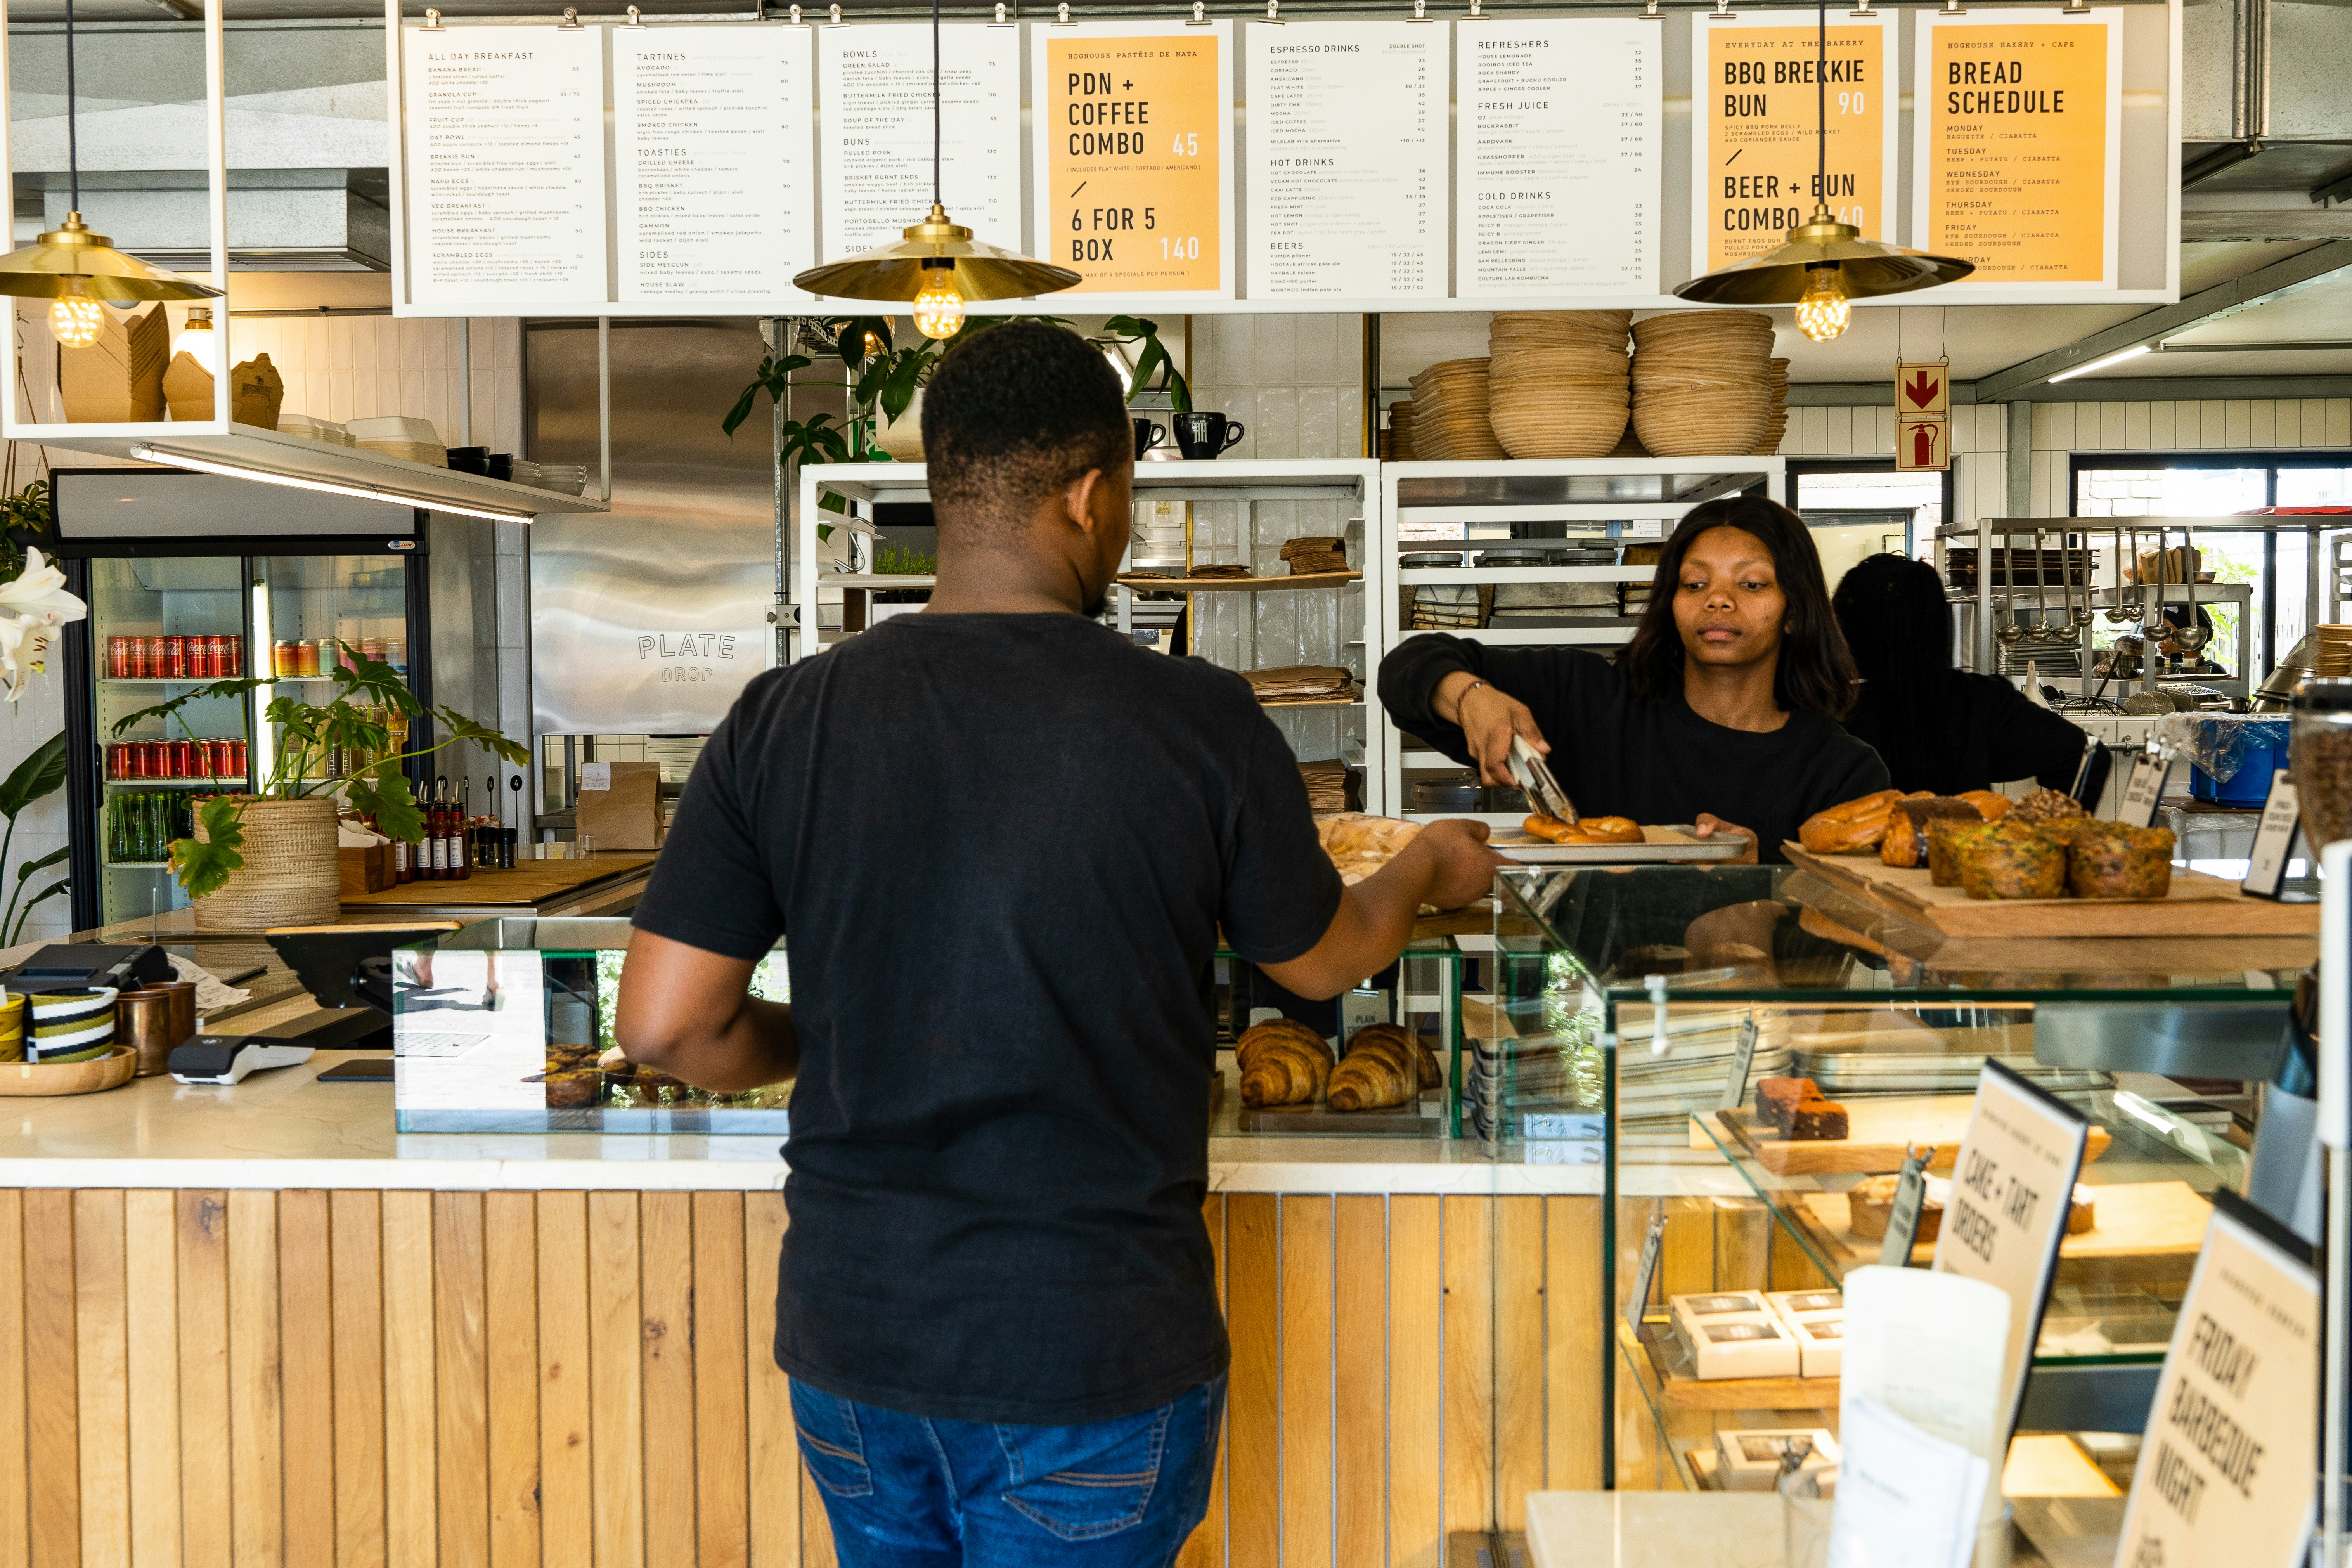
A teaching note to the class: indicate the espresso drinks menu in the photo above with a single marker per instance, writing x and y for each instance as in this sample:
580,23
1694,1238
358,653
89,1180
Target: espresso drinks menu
1555,158
711,180
2017,165
1347,170
874,88
504,147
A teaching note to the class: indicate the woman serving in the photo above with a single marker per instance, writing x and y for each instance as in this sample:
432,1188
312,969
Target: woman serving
1722,711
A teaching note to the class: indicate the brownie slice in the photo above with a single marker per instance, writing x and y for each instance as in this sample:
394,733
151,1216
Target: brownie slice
1777,1096
1815,1119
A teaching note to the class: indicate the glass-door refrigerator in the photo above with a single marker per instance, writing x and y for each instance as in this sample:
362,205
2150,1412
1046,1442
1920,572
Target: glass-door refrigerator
178,600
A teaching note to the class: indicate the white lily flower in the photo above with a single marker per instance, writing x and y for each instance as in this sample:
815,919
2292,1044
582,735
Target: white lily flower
30,603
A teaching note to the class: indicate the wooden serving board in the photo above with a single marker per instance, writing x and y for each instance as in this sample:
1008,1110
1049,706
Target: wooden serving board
531,883
2142,1232
1877,1130
2199,905
112,1070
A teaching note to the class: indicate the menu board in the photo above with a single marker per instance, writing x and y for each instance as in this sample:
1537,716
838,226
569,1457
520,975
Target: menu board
874,144
1134,170
1555,158
1765,87
2018,164
504,163
1347,180
710,171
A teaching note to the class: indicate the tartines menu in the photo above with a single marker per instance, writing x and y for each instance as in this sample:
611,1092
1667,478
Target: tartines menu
1557,159
1347,175
874,85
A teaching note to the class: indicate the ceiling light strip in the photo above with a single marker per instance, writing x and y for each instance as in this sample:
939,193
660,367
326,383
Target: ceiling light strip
2132,353
327,487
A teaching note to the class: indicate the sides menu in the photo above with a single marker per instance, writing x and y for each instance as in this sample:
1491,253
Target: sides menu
711,160
1346,181
875,142
503,139
1556,157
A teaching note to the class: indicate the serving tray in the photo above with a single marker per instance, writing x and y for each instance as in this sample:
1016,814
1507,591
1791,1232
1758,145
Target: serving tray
1662,845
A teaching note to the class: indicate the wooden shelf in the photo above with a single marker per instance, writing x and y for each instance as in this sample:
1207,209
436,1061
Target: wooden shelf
1237,584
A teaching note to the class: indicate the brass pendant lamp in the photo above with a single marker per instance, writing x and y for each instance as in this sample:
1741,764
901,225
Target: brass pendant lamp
76,269
937,266
1825,263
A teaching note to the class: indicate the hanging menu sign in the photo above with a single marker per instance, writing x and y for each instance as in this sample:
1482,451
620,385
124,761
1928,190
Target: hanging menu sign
1134,170
1765,88
874,150
1346,181
711,169
1556,159
503,146
2225,1472
2016,164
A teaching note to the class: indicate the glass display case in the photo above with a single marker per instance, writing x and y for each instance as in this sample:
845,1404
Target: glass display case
1640,1008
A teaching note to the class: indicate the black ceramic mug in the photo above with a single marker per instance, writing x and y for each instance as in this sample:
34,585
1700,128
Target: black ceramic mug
1148,436
1201,436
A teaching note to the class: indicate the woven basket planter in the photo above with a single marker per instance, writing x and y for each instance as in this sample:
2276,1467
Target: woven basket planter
290,875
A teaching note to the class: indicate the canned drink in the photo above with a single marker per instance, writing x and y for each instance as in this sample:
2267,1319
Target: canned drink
114,762
117,657
306,658
200,658
174,658
182,763
233,653
216,754
372,648
140,758
134,657
395,654
236,760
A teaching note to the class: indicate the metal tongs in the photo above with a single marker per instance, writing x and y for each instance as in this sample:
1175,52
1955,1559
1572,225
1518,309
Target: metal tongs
1534,776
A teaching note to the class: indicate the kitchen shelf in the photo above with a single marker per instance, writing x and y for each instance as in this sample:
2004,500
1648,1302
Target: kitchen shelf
1143,584
1355,701
164,679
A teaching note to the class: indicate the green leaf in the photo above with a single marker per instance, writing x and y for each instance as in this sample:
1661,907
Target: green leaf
742,409
1147,364
461,728
51,891
236,688
386,797
899,390
374,682
202,867
51,858
39,774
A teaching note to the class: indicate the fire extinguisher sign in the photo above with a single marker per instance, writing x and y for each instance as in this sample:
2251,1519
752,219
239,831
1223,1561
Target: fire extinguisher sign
1921,415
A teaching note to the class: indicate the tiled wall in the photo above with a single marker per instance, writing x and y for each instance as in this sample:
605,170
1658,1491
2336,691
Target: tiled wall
342,368
42,829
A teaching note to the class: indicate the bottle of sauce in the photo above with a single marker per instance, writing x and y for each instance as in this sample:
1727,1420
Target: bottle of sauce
437,867
461,857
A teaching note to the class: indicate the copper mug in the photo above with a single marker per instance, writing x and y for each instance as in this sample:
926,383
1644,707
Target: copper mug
183,993
143,1021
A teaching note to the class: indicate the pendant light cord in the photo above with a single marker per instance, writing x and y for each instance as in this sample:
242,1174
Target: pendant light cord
1820,110
73,145
935,99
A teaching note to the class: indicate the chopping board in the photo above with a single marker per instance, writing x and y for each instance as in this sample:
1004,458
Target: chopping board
1876,1131
530,883
2143,1231
2199,905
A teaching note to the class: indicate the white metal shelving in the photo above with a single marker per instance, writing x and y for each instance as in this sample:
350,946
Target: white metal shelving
1482,499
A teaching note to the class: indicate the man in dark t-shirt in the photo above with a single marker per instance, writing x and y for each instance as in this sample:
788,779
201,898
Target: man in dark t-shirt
1002,842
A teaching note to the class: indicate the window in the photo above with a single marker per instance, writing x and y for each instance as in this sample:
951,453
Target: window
1867,508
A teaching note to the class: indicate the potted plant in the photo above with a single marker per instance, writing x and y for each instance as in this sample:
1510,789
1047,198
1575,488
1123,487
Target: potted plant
268,858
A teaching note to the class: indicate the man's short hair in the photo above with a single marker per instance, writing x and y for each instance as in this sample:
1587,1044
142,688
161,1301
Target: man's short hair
1016,413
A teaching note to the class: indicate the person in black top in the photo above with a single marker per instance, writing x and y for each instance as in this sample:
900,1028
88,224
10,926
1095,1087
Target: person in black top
1721,712
1938,728
1003,842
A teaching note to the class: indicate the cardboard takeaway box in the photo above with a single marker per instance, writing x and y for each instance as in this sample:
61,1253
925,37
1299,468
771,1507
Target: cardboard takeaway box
119,378
620,804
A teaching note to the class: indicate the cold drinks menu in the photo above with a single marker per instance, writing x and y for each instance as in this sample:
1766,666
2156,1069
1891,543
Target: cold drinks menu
505,164
1348,169
1557,159
874,88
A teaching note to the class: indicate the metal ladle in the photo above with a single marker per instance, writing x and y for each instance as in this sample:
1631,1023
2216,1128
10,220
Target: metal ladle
2152,623
2117,613
2192,638
2011,631
2043,631
2090,582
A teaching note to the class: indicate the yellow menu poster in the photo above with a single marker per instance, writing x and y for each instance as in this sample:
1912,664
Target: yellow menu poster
1764,83
2018,168
1134,184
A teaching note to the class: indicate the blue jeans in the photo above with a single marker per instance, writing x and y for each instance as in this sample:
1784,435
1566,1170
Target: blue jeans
908,1492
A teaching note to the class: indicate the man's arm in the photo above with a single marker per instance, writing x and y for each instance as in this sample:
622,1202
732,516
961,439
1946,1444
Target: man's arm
1447,864
690,1014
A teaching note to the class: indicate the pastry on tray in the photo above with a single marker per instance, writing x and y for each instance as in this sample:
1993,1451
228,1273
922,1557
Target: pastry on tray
1381,1071
1815,1120
2045,805
1429,1073
1906,843
1283,1062
1944,836
2009,860
1584,830
1851,827
2116,860
1776,1097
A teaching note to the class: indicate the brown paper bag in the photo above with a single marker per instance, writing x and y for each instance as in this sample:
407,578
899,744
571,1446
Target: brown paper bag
626,813
256,392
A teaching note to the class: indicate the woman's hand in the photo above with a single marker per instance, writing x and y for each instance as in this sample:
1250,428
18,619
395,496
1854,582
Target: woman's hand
1713,827
1487,719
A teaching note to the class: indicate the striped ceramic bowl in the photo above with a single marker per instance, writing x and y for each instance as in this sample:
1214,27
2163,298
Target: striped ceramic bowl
75,1026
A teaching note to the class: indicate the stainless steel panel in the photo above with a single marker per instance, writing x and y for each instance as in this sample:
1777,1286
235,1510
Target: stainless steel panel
650,620
140,503
2200,1039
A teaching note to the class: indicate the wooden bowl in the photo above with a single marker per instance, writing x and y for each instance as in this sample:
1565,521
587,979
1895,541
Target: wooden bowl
112,1070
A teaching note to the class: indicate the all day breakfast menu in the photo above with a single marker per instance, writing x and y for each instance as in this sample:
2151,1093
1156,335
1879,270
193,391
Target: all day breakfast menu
874,83
1556,160
505,154
711,154
1347,170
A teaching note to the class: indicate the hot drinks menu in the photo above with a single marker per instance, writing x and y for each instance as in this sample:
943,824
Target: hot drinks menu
505,164
1347,180
710,166
1555,158
874,83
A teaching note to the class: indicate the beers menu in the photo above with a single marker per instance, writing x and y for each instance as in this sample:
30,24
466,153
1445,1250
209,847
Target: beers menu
874,84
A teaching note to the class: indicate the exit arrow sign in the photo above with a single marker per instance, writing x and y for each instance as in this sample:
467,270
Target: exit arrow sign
1921,389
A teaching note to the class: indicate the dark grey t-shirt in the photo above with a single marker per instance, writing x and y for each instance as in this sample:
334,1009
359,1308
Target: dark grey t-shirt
1002,847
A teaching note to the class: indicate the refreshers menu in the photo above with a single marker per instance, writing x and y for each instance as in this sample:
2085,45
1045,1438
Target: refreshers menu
1347,182
1557,159
2017,167
1133,173
504,153
874,148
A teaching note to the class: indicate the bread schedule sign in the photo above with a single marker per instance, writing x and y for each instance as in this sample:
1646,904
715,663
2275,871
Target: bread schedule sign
1767,85
1134,172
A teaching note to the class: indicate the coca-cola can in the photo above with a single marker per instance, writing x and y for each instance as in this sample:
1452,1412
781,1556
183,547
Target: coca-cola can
200,657
151,657
178,760
221,650
114,763
134,657
118,657
134,759
217,752
239,761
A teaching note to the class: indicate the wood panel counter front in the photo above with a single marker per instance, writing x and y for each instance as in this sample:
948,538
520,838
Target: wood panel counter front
256,1326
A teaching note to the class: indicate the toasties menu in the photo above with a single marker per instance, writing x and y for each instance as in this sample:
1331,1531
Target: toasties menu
711,174
1756,157
1555,158
1133,173
1347,180
2017,165
874,83
504,147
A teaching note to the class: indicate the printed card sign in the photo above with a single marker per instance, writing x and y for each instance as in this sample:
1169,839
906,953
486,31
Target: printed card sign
2225,1470
1922,443
2274,839
2012,1188
2144,790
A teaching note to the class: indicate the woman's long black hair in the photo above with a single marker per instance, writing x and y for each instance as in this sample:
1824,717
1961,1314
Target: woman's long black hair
1815,674
1896,622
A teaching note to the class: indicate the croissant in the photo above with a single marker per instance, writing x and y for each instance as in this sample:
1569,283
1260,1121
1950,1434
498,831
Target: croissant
1285,1070
1382,1069
1260,1037
1427,1070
